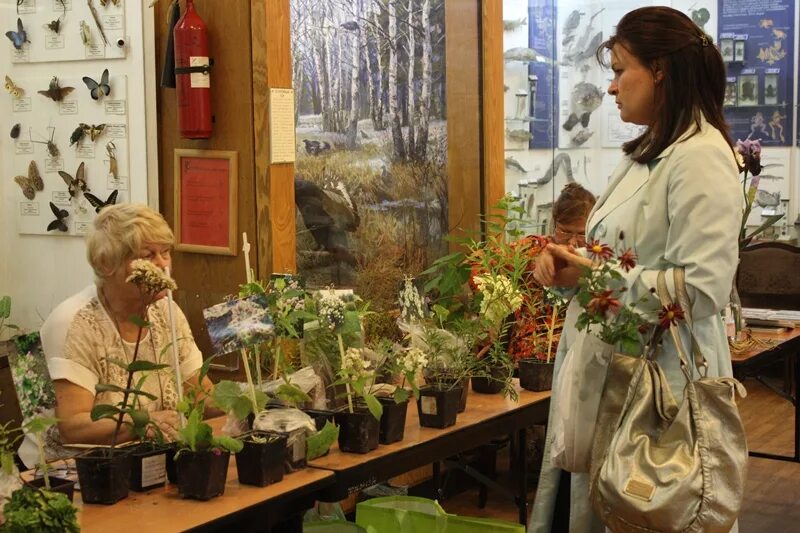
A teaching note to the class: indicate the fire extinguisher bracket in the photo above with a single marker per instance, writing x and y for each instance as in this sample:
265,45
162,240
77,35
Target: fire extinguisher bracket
204,69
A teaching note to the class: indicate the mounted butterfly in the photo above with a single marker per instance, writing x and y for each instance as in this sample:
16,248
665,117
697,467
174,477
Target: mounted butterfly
78,183
55,25
19,37
55,91
59,223
98,90
99,204
31,183
13,89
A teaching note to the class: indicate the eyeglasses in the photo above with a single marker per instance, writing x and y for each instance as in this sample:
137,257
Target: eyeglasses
567,236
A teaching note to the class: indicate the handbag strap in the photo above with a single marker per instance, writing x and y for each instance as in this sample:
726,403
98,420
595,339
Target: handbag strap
683,300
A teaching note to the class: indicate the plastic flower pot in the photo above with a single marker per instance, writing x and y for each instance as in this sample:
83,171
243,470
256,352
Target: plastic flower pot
260,462
148,466
393,421
438,407
57,484
104,477
491,384
536,375
172,469
202,475
447,383
358,431
320,416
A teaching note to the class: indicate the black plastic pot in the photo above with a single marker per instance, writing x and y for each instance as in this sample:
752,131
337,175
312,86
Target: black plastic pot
535,375
202,475
261,463
358,432
493,383
393,421
103,477
57,484
172,469
438,407
148,466
320,416
448,383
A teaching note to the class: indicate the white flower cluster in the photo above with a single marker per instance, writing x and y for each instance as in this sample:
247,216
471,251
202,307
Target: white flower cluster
500,297
354,363
331,310
410,301
413,359
149,277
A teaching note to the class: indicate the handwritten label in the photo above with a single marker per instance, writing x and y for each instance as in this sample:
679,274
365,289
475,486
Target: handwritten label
29,209
61,197
23,147
120,182
27,7
21,105
428,405
112,22
117,131
68,107
58,8
53,165
281,126
81,228
199,80
54,41
85,150
95,50
115,107
20,56
154,470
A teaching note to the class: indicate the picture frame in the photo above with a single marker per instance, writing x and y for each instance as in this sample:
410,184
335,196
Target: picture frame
739,50
731,98
771,93
747,90
726,49
205,201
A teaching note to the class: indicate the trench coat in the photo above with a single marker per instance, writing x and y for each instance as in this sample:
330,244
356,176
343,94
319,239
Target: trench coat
684,208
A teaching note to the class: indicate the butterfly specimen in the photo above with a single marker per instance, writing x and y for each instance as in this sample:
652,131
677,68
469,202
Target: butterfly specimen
52,148
56,92
55,25
19,37
111,150
92,130
13,89
15,130
76,184
58,223
31,183
98,90
86,34
104,3
99,204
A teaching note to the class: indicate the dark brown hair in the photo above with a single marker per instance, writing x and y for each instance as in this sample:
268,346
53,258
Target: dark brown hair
572,204
693,83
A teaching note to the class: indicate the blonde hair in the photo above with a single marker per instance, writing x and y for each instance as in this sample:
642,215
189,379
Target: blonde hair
118,234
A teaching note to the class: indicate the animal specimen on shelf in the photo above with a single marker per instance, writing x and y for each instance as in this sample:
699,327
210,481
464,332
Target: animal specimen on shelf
97,21
111,150
98,90
13,89
581,137
584,99
59,223
99,204
328,214
55,91
31,183
52,148
519,135
19,37
511,25
55,25
314,147
525,55
15,129
561,160
86,33
75,184
767,199
571,24
93,130
513,163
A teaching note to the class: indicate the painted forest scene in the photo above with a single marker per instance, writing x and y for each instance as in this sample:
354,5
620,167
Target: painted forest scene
371,169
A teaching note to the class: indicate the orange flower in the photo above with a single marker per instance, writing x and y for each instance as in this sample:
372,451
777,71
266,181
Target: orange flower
602,303
627,260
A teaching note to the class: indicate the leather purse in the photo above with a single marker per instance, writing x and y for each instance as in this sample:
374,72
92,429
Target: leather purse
658,466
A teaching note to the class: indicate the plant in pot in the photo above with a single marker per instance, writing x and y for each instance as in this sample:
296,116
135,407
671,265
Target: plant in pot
38,426
405,363
359,422
42,511
9,474
6,347
535,341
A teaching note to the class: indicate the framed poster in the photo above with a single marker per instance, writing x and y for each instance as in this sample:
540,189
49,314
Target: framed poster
726,49
205,201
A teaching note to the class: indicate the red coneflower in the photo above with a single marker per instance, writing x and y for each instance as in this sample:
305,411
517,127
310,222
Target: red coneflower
627,260
670,315
600,251
602,303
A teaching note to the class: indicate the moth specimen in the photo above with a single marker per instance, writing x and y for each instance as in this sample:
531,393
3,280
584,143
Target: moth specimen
55,91
55,25
19,37
111,150
92,130
58,223
86,34
76,184
31,183
99,204
15,130
98,90
13,89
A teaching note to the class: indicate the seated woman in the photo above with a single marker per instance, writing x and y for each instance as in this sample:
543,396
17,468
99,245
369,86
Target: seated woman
87,331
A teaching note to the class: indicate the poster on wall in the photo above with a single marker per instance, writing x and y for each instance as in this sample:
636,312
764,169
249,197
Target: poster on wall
539,92
756,38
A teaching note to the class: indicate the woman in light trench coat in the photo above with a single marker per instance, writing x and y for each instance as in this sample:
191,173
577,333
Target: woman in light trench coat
674,199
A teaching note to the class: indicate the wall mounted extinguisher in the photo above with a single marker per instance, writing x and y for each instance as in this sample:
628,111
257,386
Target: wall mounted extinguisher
192,75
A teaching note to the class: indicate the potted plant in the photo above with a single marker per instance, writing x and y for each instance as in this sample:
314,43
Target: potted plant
6,347
535,342
39,510
9,475
359,422
37,427
405,362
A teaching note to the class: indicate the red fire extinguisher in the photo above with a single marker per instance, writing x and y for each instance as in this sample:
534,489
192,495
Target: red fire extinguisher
192,73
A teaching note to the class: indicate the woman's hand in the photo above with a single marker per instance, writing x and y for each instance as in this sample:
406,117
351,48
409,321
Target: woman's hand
167,422
559,266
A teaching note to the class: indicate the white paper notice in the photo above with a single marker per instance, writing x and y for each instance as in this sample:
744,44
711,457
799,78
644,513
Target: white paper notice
281,126
154,470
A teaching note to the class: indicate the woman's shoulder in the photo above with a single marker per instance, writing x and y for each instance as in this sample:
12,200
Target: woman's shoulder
77,311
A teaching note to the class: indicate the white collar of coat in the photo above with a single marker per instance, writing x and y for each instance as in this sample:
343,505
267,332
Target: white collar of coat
636,175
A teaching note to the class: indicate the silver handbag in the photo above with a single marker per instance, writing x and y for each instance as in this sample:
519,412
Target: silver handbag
663,467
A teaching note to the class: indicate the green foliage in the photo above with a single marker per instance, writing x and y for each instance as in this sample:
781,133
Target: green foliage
41,511
320,442
26,342
9,437
37,427
5,314
291,394
229,396
197,436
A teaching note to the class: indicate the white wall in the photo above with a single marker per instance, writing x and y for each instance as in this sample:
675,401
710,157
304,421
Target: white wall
39,271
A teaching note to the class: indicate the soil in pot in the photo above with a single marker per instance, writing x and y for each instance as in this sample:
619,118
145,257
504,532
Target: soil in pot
493,383
202,475
393,421
463,383
148,466
438,407
358,431
57,484
535,375
261,460
103,477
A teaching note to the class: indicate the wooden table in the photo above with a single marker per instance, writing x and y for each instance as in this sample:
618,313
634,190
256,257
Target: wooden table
747,364
241,508
486,417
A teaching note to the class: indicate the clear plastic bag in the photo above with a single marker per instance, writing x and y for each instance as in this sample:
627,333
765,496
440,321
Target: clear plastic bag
578,388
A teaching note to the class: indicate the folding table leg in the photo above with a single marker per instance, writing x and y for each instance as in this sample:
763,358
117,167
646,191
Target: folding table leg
522,466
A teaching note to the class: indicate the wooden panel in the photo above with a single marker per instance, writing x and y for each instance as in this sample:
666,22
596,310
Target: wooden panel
463,114
204,279
492,103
